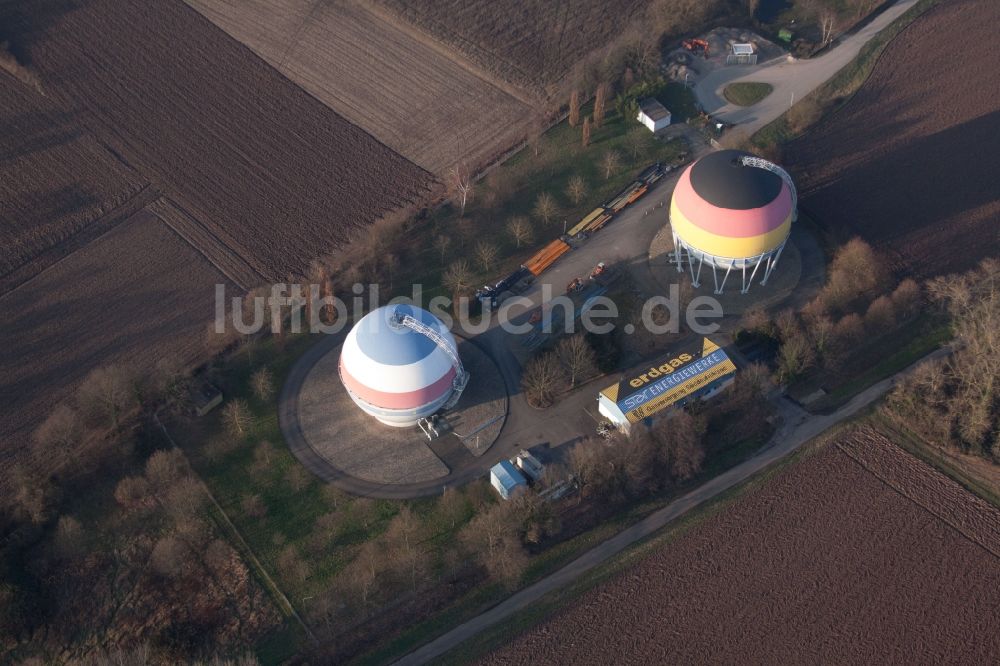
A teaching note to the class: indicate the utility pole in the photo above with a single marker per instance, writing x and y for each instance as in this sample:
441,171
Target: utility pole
792,101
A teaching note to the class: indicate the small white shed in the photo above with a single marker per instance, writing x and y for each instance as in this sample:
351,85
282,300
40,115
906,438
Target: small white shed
653,115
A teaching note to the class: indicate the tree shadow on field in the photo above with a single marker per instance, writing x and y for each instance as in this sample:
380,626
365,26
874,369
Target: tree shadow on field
22,22
916,186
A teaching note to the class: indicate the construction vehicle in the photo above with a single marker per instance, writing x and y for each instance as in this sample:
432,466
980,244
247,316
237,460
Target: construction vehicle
461,380
598,271
696,46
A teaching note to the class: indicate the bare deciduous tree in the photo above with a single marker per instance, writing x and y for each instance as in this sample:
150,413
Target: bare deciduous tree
106,393
253,506
133,492
458,277
492,536
70,538
170,557
486,254
442,243
452,506
545,207
262,383
576,189
59,434
519,228
164,467
578,357
611,162
585,137
237,417
461,185
543,377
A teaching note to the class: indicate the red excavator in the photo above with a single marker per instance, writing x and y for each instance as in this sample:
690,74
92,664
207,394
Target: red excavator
696,46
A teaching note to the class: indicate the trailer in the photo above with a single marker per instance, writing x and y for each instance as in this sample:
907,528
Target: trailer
545,257
583,224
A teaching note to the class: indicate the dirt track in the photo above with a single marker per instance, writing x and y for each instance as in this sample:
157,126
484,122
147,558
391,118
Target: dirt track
826,562
274,173
910,162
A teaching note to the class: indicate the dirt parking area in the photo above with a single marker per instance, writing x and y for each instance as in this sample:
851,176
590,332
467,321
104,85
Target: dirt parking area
910,162
857,554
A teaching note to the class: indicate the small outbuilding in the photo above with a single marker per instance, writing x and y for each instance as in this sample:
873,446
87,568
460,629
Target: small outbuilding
653,115
742,54
507,479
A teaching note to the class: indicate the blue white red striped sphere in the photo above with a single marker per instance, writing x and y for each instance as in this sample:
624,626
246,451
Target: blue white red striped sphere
397,374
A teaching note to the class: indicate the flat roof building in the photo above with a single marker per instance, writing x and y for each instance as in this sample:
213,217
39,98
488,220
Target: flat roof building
675,379
653,115
507,479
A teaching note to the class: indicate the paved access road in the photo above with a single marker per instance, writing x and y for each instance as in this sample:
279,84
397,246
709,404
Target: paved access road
791,79
798,428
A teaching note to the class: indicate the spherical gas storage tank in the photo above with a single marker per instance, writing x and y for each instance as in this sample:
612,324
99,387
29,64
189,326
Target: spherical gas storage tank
395,373
731,211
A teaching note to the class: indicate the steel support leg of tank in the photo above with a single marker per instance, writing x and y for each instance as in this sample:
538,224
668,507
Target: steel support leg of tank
720,287
760,260
771,265
677,253
694,276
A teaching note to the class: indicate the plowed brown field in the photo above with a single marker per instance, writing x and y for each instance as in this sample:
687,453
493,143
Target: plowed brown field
137,294
857,554
533,44
911,162
276,175
424,103
55,181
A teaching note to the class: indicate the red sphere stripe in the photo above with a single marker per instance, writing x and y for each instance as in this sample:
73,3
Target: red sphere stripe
730,222
404,400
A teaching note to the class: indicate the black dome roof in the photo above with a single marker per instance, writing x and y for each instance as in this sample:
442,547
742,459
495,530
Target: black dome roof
721,179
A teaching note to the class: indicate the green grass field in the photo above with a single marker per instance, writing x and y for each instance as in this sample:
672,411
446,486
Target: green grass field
746,93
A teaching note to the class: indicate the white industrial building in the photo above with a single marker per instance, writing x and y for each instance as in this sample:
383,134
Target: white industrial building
653,115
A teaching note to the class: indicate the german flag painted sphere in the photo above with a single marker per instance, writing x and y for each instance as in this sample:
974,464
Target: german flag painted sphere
724,209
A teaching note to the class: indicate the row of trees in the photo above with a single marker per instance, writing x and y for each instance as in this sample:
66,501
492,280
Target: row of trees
856,304
955,402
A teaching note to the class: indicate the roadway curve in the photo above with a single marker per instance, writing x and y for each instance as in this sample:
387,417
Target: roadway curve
791,79
798,427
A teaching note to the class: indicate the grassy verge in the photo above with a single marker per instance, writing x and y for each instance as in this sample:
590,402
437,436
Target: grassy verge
956,467
839,89
746,93
506,631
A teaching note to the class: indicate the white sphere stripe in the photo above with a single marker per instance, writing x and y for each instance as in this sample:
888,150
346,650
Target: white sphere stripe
393,378
409,400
